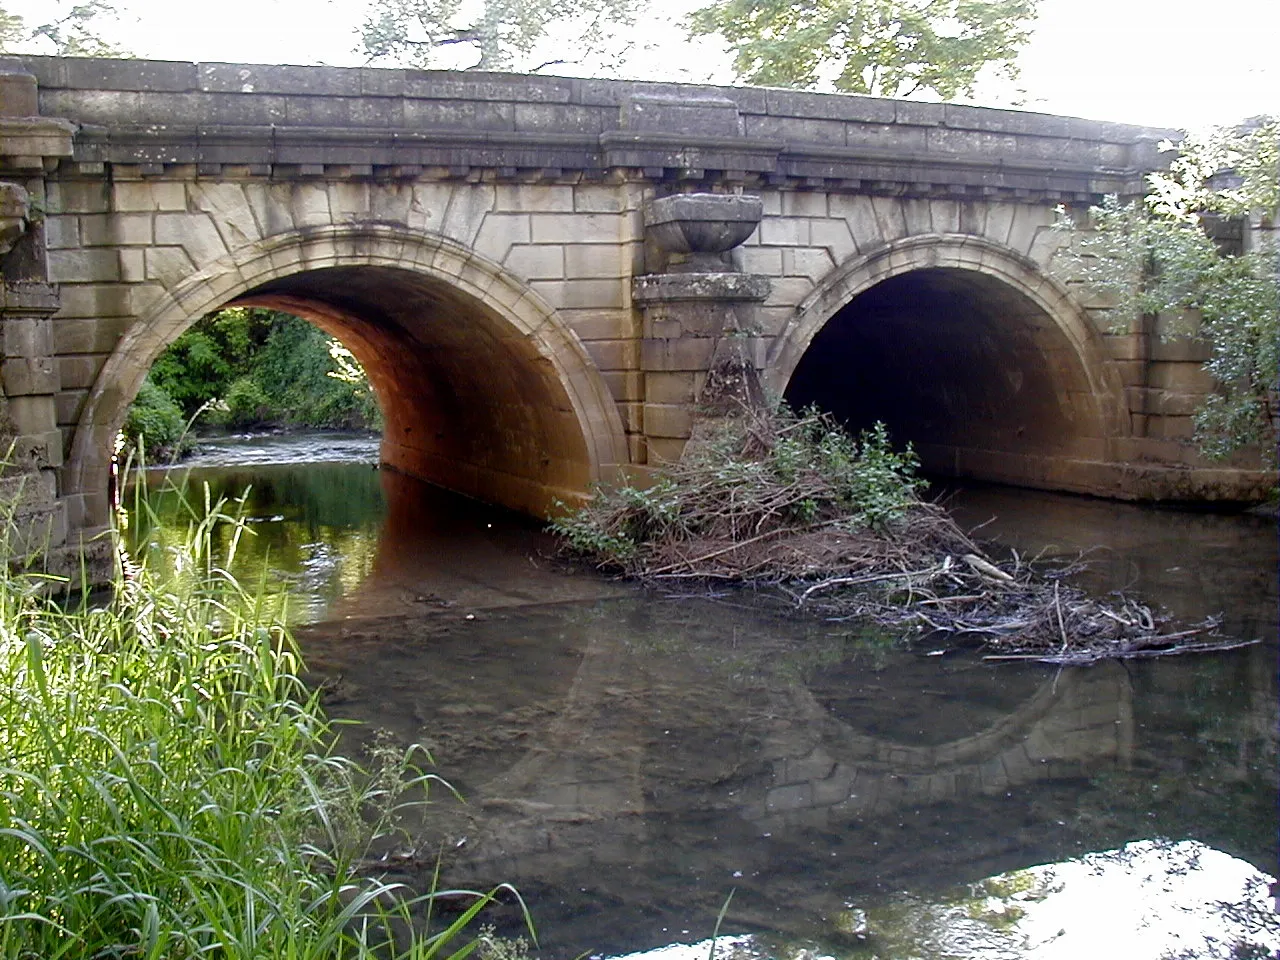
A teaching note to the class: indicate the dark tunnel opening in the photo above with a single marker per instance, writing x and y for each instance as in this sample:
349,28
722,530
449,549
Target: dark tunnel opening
977,377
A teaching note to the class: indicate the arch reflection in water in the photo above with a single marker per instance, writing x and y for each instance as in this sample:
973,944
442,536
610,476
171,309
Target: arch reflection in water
641,758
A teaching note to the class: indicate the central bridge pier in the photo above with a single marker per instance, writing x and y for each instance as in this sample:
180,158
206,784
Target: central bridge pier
538,273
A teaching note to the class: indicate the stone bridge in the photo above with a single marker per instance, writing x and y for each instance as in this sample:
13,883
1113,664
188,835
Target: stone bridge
538,272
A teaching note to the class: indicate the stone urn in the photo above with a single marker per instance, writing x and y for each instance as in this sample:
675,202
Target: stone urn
697,230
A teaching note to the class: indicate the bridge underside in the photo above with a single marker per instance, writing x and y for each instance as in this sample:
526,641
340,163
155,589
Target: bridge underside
972,373
468,402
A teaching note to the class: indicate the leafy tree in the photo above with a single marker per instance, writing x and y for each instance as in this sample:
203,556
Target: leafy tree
73,30
888,48
504,34
1155,256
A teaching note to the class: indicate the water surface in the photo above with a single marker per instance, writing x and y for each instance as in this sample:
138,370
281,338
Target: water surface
629,759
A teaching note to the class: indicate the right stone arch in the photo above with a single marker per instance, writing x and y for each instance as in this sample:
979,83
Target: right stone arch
969,351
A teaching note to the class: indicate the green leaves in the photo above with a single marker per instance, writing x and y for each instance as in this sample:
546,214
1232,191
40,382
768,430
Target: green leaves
888,48
504,34
1155,258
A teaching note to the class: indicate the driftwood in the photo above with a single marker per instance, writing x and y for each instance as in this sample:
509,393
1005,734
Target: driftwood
729,516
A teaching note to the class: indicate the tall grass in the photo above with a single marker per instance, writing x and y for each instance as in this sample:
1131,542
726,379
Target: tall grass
169,788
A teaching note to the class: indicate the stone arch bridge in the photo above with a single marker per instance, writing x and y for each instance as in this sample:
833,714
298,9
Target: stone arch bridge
538,272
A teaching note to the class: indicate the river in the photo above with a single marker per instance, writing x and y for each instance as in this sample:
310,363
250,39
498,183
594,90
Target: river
630,759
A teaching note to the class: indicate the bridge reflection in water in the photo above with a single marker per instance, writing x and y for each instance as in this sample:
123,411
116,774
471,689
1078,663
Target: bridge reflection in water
628,760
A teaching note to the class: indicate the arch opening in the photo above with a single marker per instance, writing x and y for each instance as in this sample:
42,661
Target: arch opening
970,370
468,403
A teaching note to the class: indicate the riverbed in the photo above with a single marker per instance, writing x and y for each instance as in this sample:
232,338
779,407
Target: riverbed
630,759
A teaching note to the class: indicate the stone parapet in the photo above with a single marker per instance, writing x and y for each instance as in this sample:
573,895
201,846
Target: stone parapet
273,121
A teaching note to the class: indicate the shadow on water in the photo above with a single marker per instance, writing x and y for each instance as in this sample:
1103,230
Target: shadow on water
629,759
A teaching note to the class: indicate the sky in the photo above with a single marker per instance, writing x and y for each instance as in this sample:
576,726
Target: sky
1168,63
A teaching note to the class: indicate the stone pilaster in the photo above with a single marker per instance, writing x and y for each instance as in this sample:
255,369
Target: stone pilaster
30,146
700,354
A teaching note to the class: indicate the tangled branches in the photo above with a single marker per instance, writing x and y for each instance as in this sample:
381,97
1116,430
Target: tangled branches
836,524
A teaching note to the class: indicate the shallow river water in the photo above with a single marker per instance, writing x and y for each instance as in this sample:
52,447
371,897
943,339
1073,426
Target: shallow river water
628,760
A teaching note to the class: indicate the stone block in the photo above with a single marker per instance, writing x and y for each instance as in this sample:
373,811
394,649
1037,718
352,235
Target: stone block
142,196
1170,427
596,260
667,420
534,198
32,415
62,232
1180,350
661,450
78,196
1180,377
578,294
69,404
766,261
579,228
679,387
168,266
784,231
692,353
612,354
79,371
115,229
809,262
27,336
95,300
890,217
624,384
834,237
133,265
195,233
84,265
227,205
83,335
27,376
499,232
600,324
859,214
789,291
529,262
308,206
466,212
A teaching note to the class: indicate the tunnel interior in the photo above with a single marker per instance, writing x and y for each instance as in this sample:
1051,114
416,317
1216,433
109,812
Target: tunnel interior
469,403
969,370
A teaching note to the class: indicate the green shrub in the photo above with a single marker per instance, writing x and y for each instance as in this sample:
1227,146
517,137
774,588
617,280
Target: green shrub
247,404
156,420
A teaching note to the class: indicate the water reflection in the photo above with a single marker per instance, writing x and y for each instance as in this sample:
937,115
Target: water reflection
629,759
1146,901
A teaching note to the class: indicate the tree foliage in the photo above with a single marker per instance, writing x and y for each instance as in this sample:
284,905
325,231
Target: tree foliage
1155,256
504,34
888,48
243,367
72,30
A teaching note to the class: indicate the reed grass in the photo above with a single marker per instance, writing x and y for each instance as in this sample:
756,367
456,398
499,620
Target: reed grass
170,789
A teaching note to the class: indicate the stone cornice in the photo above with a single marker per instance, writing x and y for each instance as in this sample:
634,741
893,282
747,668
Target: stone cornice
286,122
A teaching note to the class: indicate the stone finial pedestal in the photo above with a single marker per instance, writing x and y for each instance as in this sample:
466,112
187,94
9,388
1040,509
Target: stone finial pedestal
700,355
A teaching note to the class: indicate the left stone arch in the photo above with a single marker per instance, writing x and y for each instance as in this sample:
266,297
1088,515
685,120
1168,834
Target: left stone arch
484,389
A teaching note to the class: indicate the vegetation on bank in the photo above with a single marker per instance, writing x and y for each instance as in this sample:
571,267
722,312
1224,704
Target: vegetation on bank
1159,256
837,526
246,368
172,790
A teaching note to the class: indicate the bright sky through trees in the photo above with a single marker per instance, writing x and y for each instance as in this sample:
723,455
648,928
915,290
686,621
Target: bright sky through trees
1159,62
